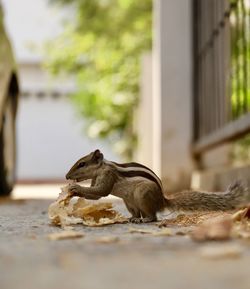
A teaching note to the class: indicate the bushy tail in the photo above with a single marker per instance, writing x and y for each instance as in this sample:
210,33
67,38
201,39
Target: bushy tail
235,196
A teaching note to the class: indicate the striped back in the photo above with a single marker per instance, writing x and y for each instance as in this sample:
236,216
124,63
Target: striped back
130,170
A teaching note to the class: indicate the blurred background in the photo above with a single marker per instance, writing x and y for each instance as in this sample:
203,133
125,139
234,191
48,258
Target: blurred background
165,83
50,133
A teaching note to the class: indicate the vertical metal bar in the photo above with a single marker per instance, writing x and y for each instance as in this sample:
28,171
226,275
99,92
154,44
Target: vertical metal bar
234,66
244,58
215,72
232,63
204,106
220,57
227,63
214,75
248,55
202,75
208,68
221,16
215,60
210,97
209,109
196,78
237,72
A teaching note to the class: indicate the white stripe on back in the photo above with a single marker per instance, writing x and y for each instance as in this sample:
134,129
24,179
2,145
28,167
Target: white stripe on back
135,169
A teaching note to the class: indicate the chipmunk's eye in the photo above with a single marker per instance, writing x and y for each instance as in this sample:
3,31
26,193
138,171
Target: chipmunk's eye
81,165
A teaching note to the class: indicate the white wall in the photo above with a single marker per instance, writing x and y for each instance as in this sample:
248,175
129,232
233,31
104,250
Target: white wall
51,138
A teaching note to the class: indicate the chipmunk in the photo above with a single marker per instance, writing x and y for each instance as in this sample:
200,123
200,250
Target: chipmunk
141,189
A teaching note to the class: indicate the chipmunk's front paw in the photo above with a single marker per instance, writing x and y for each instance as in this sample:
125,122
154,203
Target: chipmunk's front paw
74,190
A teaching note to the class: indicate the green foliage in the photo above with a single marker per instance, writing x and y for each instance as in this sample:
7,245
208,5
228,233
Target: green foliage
102,47
240,84
240,58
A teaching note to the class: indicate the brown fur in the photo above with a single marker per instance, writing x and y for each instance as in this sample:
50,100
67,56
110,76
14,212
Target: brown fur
142,196
235,196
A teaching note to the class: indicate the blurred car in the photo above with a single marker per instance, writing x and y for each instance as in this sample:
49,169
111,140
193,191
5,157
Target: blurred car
8,108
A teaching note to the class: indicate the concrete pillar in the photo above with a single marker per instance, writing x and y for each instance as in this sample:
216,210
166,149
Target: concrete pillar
144,121
172,92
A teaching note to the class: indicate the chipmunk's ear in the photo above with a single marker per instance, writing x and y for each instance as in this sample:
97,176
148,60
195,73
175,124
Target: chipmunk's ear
97,156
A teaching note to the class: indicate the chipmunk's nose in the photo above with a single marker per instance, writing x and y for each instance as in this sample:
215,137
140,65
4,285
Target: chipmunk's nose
67,176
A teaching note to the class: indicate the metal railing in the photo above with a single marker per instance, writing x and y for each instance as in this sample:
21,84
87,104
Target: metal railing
222,71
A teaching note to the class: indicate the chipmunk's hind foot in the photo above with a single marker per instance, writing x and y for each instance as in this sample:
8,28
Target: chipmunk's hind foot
149,219
135,220
143,220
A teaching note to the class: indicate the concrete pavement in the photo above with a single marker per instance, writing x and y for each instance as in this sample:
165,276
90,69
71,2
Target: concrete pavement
29,260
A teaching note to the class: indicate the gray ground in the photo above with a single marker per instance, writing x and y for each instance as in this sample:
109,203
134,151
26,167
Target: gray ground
29,260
